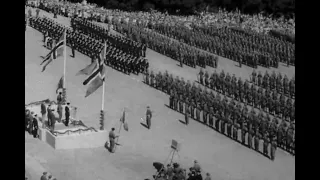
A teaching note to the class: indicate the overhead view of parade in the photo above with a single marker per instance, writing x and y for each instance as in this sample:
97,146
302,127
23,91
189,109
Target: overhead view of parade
159,90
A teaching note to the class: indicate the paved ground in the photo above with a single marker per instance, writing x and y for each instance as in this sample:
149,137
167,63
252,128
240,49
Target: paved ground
222,157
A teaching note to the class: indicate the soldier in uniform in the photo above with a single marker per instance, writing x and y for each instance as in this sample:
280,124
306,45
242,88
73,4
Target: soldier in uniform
206,79
273,149
250,132
289,138
198,112
229,126
266,144
192,108
148,117
147,78
187,112
257,141
205,112
244,129
211,116
152,79
201,76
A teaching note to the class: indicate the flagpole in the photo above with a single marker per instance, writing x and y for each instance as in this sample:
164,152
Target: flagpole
65,59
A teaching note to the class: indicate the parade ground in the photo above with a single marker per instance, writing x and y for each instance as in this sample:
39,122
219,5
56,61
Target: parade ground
222,157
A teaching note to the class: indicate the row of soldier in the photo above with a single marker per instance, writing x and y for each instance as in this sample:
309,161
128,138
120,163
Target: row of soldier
91,47
218,111
165,45
77,41
101,33
239,46
176,50
269,101
276,82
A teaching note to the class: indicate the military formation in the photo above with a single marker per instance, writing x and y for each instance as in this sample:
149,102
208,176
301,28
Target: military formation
275,101
102,34
90,47
225,115
185,54
276,82
244,46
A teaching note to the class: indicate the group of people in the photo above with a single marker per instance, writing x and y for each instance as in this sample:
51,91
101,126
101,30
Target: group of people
174,171
225,115
271,94
47,176
31,123
257,22
242,45
176,50
245,47
102,34
91,47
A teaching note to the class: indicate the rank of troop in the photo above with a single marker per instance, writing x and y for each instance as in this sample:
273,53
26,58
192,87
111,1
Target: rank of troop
243,46
176,50
116,58
102,34
225,115
274,99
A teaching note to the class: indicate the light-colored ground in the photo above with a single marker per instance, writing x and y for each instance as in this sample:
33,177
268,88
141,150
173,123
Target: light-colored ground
222,157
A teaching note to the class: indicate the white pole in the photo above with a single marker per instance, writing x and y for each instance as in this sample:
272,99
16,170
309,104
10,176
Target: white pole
65,60
104,79
103,90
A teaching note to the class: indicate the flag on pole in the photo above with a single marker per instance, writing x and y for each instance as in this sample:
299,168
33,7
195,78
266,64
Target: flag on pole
56,52
123,117
88,70
96,77
60,84
125,126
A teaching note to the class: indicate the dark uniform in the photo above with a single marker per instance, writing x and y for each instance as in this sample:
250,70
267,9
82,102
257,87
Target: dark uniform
148,117
67,114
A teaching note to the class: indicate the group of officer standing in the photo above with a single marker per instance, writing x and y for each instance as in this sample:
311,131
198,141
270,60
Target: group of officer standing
227,116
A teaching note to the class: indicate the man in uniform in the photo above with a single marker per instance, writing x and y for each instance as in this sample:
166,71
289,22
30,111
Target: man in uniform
59,98
205,113
147,77
198,112
59,111
201,76
187,113
148,117
266,144
67,114
112,138
273,148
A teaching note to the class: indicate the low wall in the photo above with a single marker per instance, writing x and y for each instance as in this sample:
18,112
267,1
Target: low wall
89,139
82,140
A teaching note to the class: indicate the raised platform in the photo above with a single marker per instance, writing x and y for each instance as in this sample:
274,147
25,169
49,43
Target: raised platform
76,135
82,138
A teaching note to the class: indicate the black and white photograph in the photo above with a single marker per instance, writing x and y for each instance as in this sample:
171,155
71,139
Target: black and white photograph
159,90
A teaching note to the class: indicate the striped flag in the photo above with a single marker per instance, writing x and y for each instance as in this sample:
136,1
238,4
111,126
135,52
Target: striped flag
97,76
123,117
60,84
56,52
